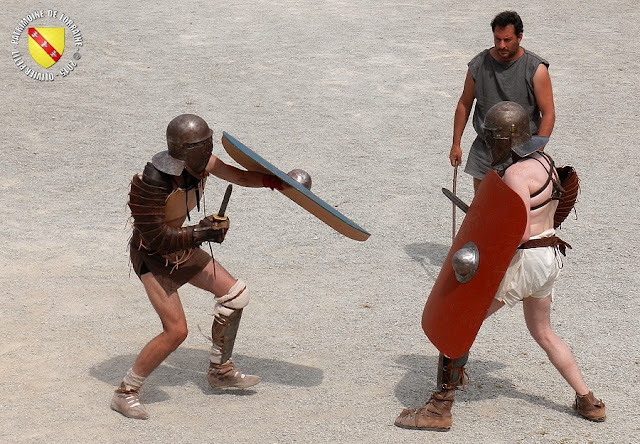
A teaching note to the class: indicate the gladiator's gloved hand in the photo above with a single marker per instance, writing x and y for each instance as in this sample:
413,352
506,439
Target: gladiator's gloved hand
211,228
271,181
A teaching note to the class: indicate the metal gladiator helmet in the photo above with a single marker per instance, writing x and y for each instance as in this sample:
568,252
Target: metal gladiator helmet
190,146
506,128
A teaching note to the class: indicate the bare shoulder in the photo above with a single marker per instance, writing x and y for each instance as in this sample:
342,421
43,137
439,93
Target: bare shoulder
541,74
518,170
542,69
525,172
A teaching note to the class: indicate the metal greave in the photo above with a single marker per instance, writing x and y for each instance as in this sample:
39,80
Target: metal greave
223,333
451,372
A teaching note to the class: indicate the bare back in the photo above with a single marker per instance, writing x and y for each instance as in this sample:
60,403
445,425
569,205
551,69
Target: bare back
526,177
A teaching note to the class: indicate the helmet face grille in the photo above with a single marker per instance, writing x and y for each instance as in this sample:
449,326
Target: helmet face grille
198,154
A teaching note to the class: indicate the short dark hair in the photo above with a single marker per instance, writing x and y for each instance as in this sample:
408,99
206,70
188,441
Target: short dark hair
506,18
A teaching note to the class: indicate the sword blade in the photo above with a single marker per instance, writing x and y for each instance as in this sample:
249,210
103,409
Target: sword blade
225,201
456,200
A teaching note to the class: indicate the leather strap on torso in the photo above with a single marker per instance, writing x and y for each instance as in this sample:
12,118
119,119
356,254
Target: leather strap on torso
557,189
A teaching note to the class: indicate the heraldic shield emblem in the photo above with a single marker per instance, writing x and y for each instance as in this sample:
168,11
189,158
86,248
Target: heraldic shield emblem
46,45
457,305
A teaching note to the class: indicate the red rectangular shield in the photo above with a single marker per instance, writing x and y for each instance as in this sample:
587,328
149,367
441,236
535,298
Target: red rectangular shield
495,223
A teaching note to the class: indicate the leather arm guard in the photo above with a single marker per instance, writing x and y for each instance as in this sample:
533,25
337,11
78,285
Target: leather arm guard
570,188
211,228
147,200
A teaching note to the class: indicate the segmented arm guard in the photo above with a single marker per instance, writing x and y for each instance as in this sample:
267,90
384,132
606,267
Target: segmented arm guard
147,200
570,189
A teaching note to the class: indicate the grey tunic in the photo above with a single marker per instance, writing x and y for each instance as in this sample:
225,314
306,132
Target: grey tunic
496,82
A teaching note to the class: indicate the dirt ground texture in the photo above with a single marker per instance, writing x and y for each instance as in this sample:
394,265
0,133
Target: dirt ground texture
361,94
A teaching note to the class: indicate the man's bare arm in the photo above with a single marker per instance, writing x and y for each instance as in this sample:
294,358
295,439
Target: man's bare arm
234,175
463,110
544,98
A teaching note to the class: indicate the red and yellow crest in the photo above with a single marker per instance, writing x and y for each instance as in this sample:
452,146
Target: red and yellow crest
46,45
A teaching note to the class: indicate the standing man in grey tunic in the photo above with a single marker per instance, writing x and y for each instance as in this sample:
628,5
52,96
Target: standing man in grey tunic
505,72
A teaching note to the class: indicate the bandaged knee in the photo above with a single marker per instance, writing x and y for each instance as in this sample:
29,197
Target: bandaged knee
236,299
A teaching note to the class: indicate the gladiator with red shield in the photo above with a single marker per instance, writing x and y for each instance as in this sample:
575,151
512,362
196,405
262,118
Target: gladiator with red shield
505,252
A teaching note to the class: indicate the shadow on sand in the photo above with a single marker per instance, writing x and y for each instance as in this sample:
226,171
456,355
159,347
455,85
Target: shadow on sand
189,366
429,255
419,382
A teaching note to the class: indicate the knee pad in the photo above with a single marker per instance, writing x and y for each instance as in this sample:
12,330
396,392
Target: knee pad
236,299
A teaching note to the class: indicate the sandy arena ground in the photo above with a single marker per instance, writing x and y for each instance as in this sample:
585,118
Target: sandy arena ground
361,94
